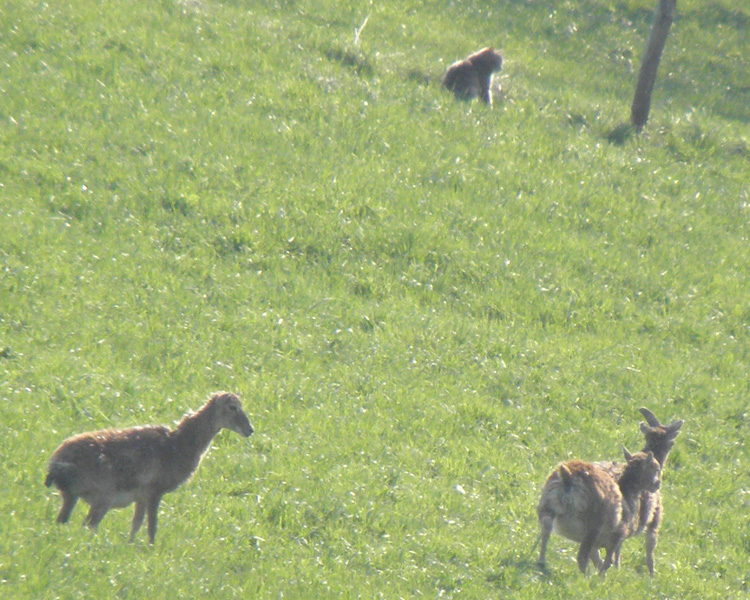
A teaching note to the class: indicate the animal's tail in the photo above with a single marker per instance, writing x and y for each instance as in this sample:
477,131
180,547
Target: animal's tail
61,474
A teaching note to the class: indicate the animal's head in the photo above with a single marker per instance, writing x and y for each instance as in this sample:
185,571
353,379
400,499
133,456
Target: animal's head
659,438
486,61
645,469
494,59
229,413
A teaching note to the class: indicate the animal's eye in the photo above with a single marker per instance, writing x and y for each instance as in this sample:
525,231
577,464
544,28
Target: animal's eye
234,408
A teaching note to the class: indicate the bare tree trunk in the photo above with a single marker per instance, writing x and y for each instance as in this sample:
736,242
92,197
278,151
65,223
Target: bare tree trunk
663,18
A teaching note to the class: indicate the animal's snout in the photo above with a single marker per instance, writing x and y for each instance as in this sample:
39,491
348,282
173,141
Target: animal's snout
655,483
244,427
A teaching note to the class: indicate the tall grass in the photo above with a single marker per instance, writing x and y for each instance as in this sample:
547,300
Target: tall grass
425,304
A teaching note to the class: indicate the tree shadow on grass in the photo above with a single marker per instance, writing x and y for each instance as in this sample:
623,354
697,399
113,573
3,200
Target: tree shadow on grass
620,134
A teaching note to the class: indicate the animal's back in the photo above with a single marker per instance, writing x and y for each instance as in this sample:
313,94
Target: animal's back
116,460
462,80
577,494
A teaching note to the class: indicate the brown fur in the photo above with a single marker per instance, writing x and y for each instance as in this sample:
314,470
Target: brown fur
472,78
583,503
659,440
113,468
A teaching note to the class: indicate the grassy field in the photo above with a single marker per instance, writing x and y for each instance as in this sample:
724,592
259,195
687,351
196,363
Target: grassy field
425,304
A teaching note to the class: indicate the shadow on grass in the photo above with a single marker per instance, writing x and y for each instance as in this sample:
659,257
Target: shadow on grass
620,134
514,572
421,77
354,60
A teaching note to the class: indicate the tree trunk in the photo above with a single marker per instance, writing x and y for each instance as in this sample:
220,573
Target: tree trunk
663,18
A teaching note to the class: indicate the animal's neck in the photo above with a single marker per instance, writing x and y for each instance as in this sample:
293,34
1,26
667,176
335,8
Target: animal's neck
630,496
194,434
660,449
627,484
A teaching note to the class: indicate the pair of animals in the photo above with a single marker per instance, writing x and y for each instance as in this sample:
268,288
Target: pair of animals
601,504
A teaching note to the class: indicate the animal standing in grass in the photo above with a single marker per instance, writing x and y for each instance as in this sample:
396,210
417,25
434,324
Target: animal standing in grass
472,78
659,440
583,503
113,468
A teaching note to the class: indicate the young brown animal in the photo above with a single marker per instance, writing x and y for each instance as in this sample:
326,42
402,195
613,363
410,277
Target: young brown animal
472,78
659,440
583,503
115,467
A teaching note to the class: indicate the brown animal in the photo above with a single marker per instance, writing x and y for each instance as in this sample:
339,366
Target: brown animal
659,440
583,503
115,467
472,78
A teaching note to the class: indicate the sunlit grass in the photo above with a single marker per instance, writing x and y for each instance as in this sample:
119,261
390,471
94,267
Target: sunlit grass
425,304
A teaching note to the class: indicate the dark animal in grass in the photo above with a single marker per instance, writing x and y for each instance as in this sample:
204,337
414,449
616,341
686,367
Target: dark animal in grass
472,78
113,468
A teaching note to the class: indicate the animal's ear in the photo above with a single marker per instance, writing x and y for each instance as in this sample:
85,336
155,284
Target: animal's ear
674,427
645,429
627,454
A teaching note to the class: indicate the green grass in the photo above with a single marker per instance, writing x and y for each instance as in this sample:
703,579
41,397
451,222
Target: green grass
425,304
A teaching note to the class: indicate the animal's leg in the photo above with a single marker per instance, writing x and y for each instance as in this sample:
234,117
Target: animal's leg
587,547
612,551
652,534
596,558
545,523
153,511
617,557
140,512
484,89
96,514
69,503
